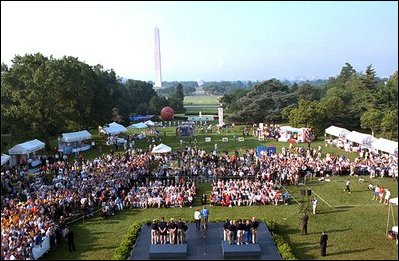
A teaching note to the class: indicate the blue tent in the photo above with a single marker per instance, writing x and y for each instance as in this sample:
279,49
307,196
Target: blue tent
259,150
141,117
268,150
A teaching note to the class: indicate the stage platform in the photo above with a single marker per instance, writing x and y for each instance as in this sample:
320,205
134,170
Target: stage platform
160,251
235,250
205,245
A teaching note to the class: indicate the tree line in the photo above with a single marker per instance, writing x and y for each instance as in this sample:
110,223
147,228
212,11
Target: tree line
352,100
43,97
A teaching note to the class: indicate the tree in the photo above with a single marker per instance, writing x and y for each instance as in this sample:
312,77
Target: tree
369,81
179,92
38,91
116,117
308,114
389,123
371,119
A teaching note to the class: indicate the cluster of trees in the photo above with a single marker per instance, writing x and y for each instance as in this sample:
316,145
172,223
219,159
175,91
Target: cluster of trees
43,96
352,100
169,88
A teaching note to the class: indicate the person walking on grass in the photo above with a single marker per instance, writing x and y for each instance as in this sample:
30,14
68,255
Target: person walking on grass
347,183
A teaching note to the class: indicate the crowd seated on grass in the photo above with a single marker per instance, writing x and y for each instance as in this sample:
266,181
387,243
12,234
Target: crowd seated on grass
40,204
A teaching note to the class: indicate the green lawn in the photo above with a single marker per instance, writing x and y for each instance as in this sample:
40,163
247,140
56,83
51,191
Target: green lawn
200,99
356,225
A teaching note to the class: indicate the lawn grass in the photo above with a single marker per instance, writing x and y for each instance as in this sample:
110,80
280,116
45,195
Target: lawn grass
356,225
200,99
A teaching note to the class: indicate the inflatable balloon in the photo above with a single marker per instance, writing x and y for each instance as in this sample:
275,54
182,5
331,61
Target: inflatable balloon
167,113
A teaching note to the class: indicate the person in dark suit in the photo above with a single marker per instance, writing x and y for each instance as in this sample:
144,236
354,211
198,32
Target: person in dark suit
304,223
70,237
323,243
203,199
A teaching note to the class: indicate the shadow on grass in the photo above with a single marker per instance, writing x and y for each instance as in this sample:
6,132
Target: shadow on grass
350,251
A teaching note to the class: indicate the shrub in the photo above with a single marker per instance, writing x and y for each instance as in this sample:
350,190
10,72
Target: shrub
122,252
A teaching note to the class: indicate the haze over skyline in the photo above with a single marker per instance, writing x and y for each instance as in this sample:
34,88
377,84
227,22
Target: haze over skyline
212,41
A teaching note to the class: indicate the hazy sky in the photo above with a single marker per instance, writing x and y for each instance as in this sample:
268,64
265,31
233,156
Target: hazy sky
208,40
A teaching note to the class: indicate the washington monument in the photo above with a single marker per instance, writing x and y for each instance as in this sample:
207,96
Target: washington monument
157,53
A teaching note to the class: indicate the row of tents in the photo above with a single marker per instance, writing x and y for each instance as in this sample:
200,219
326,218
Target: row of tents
69,142
365,140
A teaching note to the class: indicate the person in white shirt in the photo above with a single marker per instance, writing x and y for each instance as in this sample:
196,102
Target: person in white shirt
314,205
387,196
197,217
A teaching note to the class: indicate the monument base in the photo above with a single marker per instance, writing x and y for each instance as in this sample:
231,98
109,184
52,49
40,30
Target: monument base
168,251
240,250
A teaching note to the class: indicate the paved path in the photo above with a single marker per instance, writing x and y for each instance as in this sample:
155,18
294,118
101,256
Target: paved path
206,244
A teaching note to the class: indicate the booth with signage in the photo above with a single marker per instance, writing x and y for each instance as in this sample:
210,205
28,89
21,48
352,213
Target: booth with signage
26,153
74,142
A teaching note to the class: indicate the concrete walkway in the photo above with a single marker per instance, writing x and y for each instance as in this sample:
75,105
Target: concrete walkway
206,244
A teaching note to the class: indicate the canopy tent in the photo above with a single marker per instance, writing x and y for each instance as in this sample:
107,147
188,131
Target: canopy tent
337,131
360,138
149,123
75,136
385,145
141,117
27,147
140,125
391,213
73,142
113,128
4,159
161,148
291,129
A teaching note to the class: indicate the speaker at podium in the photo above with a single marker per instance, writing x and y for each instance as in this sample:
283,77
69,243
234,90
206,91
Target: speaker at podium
309,192
303,192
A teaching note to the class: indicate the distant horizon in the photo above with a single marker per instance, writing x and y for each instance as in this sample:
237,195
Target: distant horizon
212,41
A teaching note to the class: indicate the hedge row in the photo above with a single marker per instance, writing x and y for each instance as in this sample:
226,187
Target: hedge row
283,247
122,252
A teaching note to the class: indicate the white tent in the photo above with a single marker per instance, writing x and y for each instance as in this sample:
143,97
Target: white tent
291,129
140,125
391,213
149,123
113,128
385,145
75,136
161,148
360,138
27,147
4,159
337,131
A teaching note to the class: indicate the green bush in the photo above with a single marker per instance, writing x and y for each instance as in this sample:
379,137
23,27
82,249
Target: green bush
283,247
122,252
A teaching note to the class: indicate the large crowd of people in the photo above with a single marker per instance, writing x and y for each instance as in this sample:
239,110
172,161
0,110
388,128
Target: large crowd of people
37,206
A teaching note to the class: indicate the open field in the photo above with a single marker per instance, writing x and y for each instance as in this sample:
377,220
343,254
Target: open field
201,100
356,225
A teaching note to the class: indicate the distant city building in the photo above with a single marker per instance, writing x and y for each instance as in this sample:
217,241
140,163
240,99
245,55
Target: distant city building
157,53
